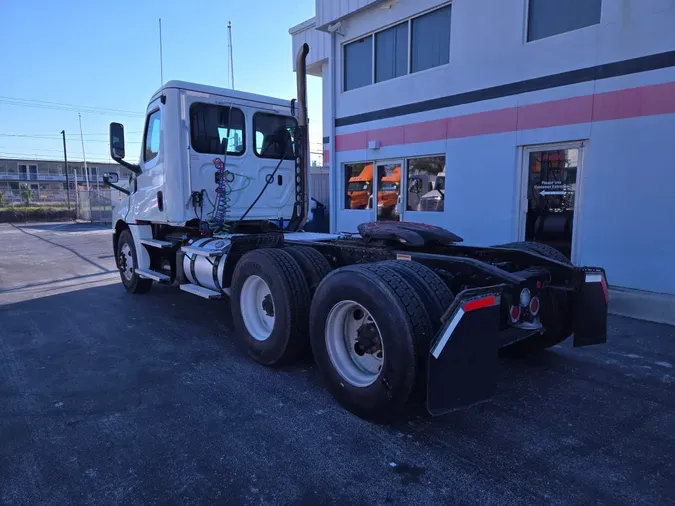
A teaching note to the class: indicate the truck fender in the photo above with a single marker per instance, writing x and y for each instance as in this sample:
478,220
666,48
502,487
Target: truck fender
139,232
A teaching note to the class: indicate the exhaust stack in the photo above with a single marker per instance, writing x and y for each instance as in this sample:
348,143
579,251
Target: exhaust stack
301,209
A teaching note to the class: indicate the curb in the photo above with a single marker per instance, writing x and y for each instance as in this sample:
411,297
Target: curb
650,306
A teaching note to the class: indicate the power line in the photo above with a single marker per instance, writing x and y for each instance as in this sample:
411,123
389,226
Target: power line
56,106
44,137
58,136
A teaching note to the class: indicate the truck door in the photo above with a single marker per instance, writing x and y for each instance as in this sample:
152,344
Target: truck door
247,143
147,198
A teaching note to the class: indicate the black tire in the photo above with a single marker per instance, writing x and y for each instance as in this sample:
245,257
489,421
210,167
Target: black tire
291,298
403,322
133,284
537,247
314,265
431,289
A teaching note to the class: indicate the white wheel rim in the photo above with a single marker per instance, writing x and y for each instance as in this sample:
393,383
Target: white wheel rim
126,262
257,308
354,343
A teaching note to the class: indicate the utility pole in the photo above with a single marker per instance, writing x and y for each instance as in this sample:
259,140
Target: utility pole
65,160
161,57
84,155
229,38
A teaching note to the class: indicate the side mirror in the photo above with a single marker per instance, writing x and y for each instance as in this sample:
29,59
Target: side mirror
111,177
116,141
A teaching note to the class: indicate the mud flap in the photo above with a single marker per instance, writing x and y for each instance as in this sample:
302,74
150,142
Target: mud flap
590,309
462,367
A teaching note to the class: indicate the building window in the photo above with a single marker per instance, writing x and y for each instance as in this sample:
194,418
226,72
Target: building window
430,46
426,184
152,131
215,129
358,63
358,186
551,17
273,133
391,52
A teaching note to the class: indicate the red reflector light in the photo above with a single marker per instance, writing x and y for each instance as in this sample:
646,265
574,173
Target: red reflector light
514,313
475,304
538,284
534,306
603,283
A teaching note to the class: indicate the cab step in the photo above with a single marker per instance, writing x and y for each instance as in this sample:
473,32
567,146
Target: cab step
155,276
156,243
202,252
200,291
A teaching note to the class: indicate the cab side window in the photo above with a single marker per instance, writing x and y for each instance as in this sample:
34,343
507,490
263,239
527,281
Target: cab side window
152,130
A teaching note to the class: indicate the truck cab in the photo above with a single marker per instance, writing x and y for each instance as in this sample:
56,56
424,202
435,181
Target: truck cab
193,134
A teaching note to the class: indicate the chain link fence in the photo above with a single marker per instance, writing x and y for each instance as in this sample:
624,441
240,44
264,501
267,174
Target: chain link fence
31,203
95,205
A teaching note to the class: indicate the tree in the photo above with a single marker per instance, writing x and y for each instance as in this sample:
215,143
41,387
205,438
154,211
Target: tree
26,193
2,199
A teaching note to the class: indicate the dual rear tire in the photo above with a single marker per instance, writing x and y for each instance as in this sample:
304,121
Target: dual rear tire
369,325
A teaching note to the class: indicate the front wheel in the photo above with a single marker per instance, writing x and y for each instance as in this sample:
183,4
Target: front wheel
127,263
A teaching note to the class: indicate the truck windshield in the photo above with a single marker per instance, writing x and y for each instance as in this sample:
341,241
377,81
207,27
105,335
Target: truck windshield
357,186
389,187
274,135
213,127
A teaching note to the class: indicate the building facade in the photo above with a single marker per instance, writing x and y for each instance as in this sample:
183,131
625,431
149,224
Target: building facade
47,178
505,120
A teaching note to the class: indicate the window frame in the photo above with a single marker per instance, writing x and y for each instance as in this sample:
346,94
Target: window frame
408,24
255,148
526,25
346,184
374,33
372,61
145,134
243,130
406,177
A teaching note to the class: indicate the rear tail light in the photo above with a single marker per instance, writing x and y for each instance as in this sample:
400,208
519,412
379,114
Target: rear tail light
534,306
514,314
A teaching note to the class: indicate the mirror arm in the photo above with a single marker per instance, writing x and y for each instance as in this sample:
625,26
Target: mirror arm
136,169
115,187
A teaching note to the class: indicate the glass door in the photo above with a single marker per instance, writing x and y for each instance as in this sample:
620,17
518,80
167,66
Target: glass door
551,173
389,206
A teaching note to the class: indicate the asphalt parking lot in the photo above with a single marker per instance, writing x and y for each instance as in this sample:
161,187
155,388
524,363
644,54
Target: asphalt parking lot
110,398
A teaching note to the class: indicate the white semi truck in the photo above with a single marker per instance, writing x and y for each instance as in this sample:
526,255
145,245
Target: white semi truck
400,314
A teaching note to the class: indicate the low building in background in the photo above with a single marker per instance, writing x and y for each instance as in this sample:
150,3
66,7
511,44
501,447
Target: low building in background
47,178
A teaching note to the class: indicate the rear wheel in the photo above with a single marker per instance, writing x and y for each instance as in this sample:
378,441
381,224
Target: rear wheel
127,263
555,309
314,265
366,323
270,303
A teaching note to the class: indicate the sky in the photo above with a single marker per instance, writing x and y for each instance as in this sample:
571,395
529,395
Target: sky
83,56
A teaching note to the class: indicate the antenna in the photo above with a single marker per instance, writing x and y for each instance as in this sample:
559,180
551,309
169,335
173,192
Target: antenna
231,58
161,58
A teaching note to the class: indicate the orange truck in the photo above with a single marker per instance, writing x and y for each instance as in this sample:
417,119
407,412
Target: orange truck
388,194
359,188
